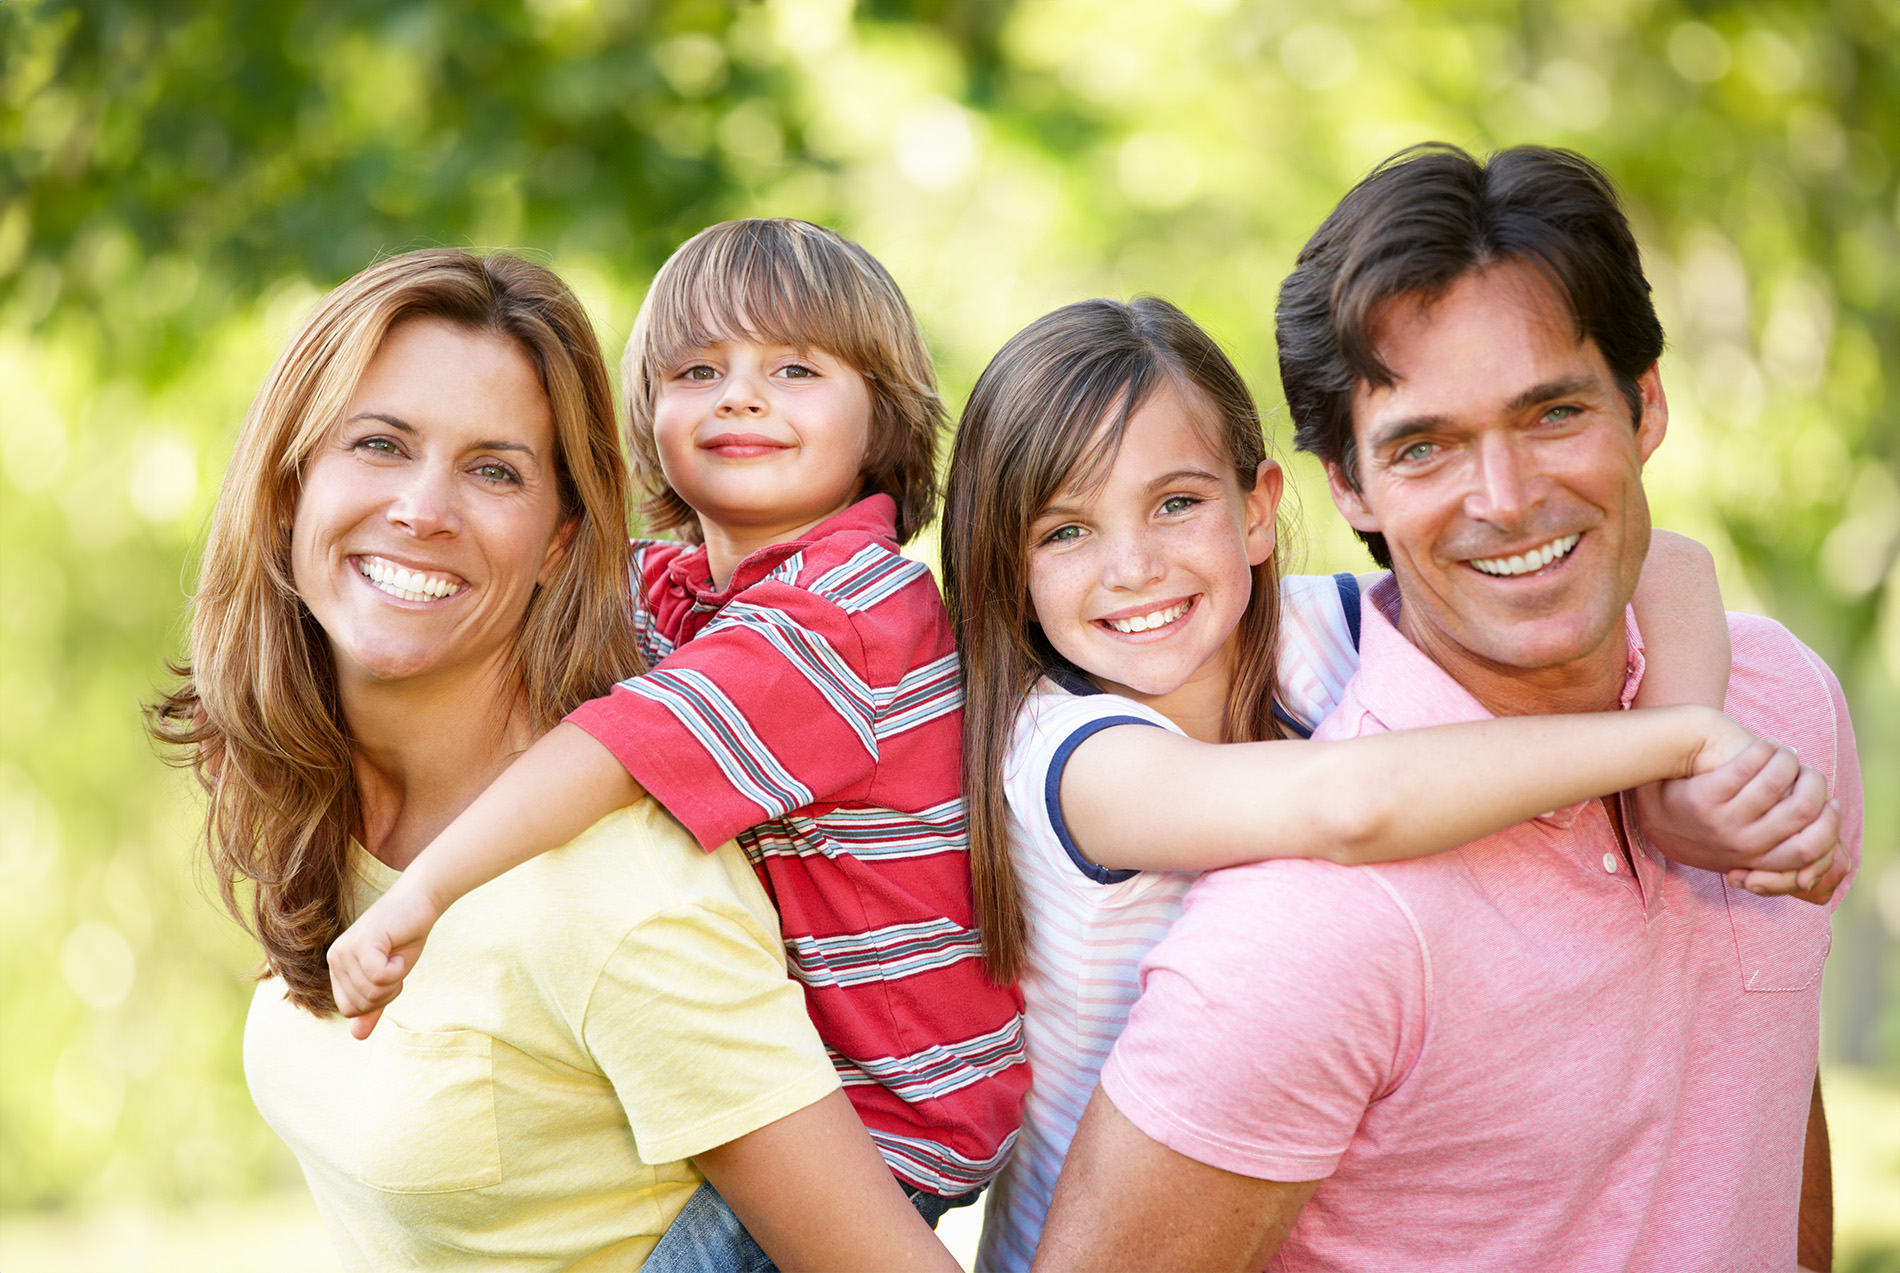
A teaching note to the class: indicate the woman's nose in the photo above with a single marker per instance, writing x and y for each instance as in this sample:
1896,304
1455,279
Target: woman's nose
426,503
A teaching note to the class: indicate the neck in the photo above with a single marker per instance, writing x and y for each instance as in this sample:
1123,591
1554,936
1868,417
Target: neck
1590,683
728,544
1198,707
424,751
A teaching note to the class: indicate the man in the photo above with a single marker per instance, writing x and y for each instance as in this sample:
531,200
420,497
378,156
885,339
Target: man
1552,1048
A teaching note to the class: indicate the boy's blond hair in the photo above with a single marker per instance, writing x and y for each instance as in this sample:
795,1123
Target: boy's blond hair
788,282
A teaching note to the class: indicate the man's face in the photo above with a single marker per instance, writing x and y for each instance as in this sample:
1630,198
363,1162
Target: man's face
1504,471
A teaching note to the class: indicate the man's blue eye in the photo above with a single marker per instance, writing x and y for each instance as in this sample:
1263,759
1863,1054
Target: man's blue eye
1416,451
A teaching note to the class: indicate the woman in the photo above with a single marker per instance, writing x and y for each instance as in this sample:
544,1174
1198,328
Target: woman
417,565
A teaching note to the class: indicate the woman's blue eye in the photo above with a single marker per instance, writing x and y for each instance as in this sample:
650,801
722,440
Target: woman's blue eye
493,472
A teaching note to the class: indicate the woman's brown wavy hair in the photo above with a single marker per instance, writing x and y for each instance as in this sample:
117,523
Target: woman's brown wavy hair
792,283
1048,413
254,711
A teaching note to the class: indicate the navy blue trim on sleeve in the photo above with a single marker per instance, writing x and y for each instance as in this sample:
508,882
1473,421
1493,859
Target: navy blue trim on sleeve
1052,795
1300,728
1348,585
1069,677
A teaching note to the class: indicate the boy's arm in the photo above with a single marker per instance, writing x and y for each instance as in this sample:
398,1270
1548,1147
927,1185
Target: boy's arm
555,790
1728,818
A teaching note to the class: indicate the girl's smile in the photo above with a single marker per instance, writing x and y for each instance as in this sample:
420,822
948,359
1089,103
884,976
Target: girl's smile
1140,580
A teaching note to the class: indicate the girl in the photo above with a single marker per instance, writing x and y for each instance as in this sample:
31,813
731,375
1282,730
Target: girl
1109,561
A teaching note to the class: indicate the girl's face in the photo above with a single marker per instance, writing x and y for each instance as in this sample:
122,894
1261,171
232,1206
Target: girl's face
1142,582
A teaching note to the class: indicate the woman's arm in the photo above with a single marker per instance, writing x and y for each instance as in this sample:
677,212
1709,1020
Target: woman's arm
1136,797
812,1190
559,787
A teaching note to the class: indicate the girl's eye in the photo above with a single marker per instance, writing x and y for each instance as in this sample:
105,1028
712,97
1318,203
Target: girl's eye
1178,503
1063,535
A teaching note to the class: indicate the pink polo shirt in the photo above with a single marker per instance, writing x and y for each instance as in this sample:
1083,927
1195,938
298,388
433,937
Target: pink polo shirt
1516,1054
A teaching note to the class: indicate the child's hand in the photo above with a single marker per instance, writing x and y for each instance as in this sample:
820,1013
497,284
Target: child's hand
369,961
1758,816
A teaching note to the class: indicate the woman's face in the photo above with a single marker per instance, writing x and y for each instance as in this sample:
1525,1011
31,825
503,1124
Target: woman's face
431,510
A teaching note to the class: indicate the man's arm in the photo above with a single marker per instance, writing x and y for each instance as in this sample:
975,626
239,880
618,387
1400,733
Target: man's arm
1125,1201
1814,1234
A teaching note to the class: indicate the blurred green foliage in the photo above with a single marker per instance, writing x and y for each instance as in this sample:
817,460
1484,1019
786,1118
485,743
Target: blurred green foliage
180,181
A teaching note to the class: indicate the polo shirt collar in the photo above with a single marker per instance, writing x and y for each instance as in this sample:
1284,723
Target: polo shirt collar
1402,687
874,515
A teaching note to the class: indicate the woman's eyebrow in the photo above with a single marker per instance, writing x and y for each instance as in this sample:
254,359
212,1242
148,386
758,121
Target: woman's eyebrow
403,426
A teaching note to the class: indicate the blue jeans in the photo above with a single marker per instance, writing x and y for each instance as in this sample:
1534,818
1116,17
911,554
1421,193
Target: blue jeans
708,1238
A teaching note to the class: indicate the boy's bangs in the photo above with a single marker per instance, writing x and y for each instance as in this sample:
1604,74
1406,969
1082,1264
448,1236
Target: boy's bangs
765,287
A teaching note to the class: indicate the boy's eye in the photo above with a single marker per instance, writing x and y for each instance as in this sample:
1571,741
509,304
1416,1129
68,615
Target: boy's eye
700,373
798,371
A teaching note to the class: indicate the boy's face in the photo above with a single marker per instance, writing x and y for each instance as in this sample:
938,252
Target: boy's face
764,441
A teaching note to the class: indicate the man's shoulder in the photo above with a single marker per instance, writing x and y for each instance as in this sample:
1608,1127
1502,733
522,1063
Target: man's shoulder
1781,688
1305,913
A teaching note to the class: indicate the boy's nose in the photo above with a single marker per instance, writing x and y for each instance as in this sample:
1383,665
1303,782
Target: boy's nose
743,396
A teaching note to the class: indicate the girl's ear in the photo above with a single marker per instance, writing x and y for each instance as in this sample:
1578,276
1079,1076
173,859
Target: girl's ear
1263,506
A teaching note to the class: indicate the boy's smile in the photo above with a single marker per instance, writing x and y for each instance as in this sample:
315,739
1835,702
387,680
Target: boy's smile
764,441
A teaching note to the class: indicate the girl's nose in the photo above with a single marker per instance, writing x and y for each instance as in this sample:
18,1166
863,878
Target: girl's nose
1133,561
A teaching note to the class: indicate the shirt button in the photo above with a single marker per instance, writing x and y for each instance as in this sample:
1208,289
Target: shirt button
1609,863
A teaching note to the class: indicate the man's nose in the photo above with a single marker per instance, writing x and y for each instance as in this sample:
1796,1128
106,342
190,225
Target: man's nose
426,504
1506,484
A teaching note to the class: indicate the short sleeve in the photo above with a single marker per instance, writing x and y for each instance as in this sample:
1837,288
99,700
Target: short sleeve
702,1034
1048,730
1288,997
765,711
1317,653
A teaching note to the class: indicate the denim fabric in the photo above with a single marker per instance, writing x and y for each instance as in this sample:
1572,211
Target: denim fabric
707,1237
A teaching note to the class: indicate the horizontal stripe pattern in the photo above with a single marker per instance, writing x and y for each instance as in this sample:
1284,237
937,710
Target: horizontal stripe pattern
821,687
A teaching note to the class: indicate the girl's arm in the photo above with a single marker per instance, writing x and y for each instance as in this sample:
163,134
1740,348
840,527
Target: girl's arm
813,1191
555,790
1724,819
1138,797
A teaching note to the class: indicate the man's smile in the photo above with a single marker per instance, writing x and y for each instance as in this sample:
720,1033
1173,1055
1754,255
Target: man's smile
1530,562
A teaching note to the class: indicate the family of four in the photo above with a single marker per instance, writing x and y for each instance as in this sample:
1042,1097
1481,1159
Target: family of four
773,908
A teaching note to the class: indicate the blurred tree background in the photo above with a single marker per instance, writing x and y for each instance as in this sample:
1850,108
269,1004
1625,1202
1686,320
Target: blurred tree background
180,181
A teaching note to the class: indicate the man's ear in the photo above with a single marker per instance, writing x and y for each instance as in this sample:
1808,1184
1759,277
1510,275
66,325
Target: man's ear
1263,507
557,550
1350,503
1654,422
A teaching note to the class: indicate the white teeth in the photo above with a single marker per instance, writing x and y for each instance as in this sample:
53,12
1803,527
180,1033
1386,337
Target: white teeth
1525,563
409,585
1144,622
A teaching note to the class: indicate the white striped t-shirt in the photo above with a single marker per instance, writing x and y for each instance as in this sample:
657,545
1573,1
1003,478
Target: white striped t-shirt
1089,926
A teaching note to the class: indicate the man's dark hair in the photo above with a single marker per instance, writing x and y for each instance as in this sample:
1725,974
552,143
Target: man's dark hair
1418,223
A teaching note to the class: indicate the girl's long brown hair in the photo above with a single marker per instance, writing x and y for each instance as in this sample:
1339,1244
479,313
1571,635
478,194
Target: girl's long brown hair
255,710
1048,414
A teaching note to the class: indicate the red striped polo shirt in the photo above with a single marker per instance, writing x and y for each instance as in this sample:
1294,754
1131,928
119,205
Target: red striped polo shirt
811,708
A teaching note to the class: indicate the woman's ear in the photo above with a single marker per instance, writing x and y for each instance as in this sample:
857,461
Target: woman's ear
557,550
1263,508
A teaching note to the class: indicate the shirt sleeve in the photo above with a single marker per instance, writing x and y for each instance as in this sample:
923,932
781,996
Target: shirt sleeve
769,709
1317,655
1288,997
1048,730
702,1034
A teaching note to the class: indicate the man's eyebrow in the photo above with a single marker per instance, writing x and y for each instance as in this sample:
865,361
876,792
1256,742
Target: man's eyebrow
1411,426
403,426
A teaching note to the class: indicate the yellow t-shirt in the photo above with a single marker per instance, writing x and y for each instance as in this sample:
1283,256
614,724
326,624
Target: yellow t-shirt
573,1031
